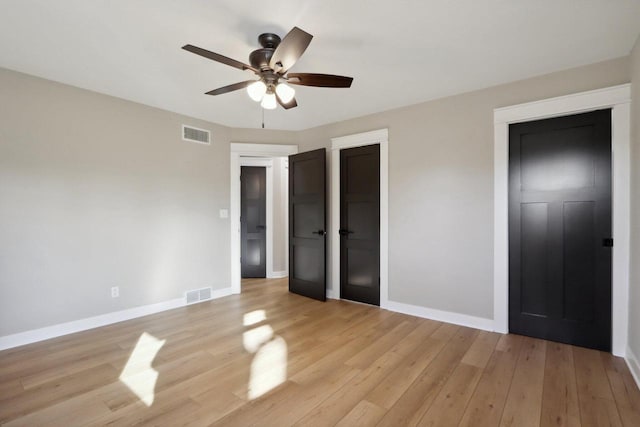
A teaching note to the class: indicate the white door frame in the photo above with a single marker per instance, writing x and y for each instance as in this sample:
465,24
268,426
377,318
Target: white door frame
617,98
238,151
381,137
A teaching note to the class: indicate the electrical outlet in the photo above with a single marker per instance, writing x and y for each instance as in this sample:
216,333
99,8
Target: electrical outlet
115,292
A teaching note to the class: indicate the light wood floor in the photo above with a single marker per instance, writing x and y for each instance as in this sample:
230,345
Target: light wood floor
333,363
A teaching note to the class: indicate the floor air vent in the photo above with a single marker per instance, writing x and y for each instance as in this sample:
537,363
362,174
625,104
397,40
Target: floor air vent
192,134
198,295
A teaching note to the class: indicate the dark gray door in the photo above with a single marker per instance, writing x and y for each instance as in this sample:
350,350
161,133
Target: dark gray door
307,224
560,229
253,202
360,224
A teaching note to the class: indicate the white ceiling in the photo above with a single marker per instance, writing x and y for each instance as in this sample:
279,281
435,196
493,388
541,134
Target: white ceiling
399,53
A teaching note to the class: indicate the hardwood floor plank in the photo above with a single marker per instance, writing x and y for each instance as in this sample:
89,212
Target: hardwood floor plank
53,392
624,388
380,346
488,400
524,401
448,407
560,400
597,404
417,399
288,402
387,393
342,401
481,349
362,415
76,411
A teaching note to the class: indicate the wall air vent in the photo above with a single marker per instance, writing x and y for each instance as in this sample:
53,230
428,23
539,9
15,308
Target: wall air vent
201,136
198,295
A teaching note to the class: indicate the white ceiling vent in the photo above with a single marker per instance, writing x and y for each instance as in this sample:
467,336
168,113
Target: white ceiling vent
201,136
198,295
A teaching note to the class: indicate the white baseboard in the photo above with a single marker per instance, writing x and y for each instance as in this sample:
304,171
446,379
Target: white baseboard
634,365
331,294
441,316
278,274
219,293
35,335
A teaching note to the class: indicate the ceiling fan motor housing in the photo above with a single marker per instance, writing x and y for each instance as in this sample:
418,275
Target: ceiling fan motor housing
260,58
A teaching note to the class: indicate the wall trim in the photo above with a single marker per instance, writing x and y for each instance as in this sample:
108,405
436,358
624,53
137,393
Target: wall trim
617,98
441,316
634,365
41,334
279,274
237,150
380,136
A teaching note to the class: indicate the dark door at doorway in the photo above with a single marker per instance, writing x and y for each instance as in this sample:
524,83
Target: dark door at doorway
560,229
253,201
360,224
307,224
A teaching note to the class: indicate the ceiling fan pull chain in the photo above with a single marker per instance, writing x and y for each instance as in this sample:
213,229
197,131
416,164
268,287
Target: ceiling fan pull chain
262,109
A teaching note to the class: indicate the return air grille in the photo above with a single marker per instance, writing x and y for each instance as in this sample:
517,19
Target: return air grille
198,295
192,134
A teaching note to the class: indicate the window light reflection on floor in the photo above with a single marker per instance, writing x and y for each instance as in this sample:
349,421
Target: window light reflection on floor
269,364
254,317
138,374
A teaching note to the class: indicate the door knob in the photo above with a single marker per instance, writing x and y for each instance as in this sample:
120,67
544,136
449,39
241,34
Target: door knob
260,227
344,232
319,232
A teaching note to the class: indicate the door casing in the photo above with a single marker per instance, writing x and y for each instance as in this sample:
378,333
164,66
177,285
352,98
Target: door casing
238,150
380,136
618,98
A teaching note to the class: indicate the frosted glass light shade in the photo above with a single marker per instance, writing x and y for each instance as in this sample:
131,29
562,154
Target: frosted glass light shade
257,90
269,101
285,92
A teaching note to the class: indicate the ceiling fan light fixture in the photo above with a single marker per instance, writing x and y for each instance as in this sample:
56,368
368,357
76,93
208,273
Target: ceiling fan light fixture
285,92
269,101
257,90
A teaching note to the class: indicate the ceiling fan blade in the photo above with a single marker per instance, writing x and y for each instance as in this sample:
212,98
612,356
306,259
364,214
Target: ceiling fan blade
218,58
320,80
290,104
230,88
290,50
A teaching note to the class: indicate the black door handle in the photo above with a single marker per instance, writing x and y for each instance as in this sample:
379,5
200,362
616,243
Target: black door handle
319,232
344,232
260,227
607,243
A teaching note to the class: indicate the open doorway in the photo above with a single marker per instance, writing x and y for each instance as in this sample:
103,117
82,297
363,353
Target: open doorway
269,239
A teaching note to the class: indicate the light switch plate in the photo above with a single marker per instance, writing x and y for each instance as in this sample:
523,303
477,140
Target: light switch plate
224,213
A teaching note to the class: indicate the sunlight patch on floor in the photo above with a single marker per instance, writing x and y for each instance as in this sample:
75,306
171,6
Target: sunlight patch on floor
268,368
256,337
269,364
254,317
138,374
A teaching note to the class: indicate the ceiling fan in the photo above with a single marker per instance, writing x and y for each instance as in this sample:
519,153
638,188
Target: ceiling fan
271,64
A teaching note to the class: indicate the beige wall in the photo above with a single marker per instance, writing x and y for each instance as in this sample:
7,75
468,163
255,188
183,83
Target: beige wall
98,192
441,185
634,297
